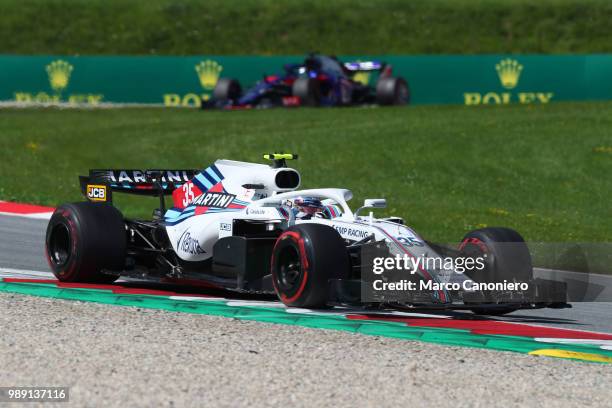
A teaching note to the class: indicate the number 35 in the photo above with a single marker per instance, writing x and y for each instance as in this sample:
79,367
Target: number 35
188,195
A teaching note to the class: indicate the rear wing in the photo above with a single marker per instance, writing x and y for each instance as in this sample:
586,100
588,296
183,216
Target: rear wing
364,65
369,66
100,183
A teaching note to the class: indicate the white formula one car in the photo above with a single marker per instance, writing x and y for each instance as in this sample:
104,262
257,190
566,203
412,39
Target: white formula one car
245,227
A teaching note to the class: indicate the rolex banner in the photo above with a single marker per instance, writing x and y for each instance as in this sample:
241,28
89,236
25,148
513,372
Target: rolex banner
185,81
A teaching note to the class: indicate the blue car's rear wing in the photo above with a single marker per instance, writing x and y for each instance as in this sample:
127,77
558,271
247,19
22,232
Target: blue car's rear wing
386,70
364,65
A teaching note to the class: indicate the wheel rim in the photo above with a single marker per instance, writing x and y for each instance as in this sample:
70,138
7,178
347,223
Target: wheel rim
474,251
289,270
60,244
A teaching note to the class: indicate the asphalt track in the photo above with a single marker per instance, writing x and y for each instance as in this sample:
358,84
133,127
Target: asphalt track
22,249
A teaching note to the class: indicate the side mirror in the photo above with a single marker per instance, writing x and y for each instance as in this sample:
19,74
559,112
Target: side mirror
273,203
372,203
375,203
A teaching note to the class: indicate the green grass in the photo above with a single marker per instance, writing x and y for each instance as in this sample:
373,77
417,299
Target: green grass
543,170
295,27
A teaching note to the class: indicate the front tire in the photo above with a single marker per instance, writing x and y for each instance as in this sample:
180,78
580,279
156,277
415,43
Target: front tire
508,258
304,259
226,90
83,240
308,90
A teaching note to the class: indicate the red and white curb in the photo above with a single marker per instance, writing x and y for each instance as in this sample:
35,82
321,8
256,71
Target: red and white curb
549,337
25,210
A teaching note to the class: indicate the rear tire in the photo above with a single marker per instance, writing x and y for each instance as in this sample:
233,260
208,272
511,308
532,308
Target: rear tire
308,90
507,257
392,91
304,259
85,238
227,89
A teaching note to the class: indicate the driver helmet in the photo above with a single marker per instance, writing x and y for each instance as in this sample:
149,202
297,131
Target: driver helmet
308,205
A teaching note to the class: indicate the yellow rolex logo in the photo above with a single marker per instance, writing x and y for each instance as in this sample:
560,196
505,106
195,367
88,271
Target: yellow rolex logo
509,72
208,73
362,77
59,74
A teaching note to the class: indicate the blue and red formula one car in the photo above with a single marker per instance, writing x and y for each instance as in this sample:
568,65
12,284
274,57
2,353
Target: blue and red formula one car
319,80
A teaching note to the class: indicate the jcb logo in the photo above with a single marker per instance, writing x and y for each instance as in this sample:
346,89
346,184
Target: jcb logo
96,192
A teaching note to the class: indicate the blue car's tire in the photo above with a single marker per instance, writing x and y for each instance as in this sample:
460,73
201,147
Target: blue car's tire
227,89
392,91
308,90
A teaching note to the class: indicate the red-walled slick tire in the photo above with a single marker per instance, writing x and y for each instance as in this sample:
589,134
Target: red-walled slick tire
507,258
304,259
85,241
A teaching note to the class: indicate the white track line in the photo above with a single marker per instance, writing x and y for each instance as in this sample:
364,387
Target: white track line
196,298
24,273
603,344
38,216
595,342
